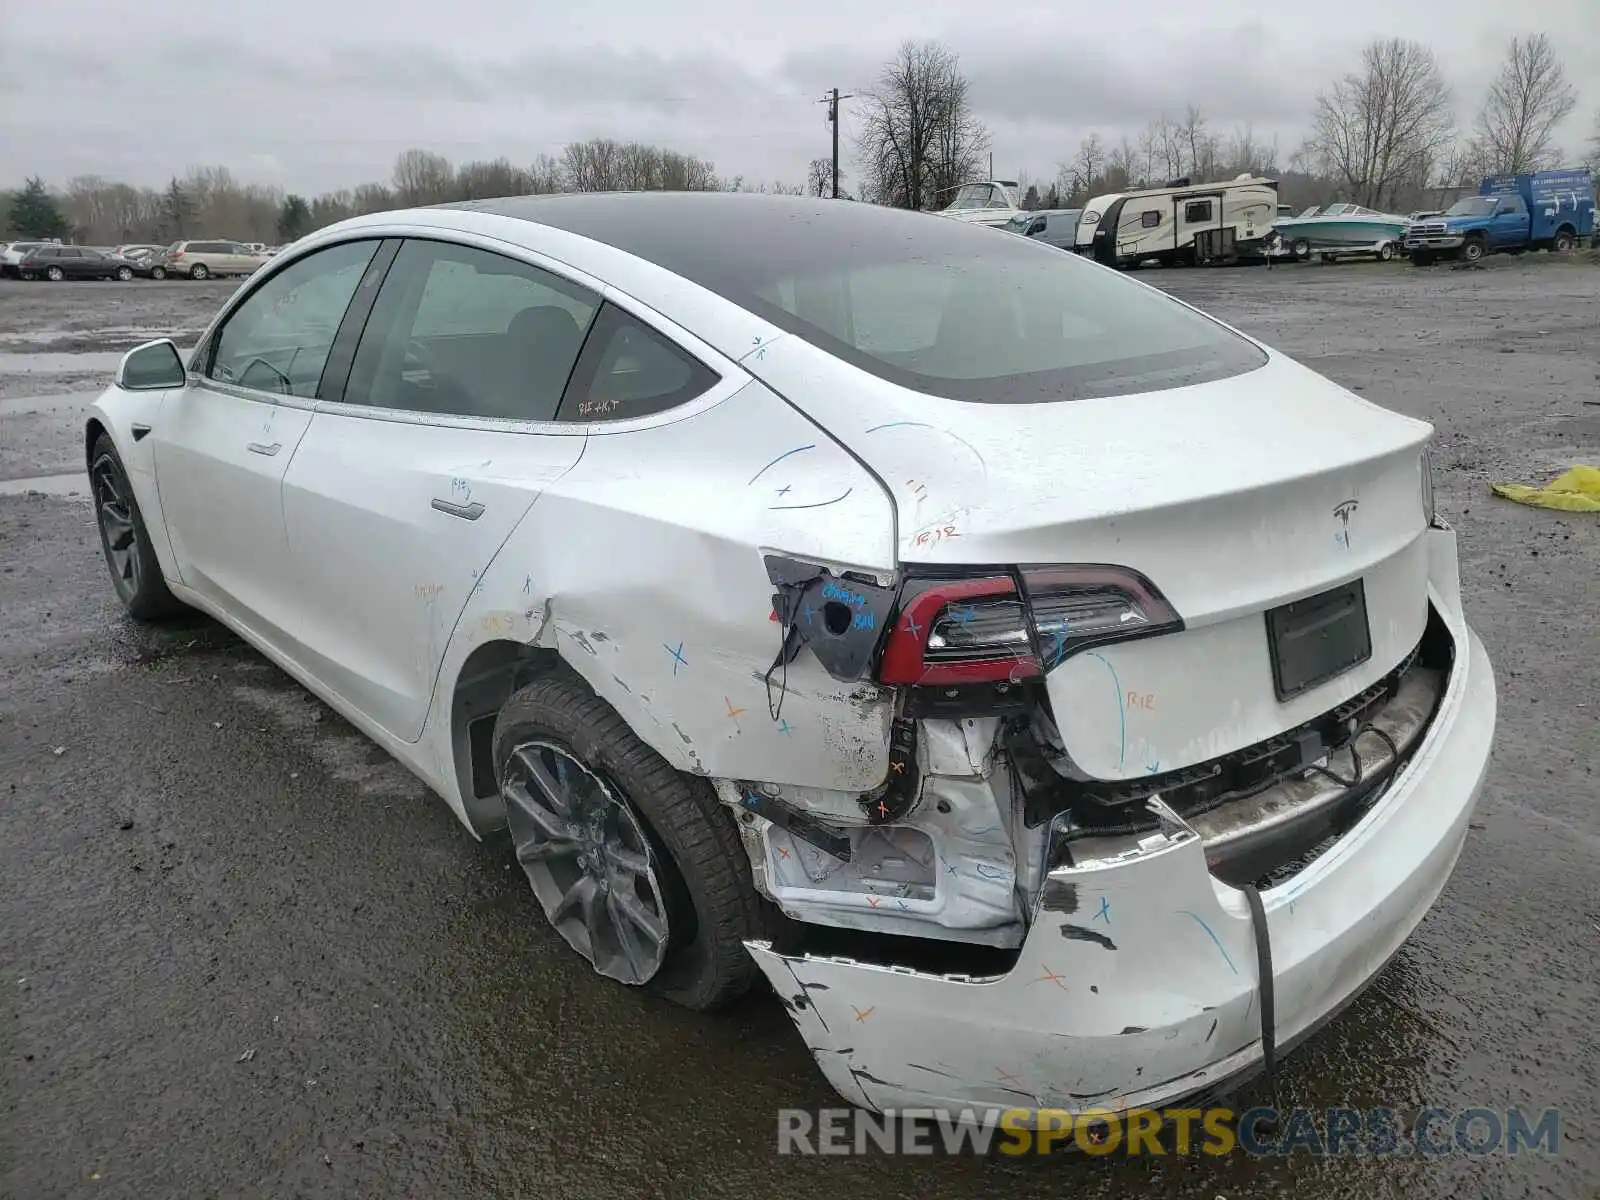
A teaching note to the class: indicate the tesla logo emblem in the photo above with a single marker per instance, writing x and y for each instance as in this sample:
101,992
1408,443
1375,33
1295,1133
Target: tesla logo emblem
1343,511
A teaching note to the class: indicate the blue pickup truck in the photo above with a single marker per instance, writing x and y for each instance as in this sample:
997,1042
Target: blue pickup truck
1545,210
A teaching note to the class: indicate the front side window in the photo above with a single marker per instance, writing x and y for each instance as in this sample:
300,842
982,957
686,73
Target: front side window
278,339
1149,220
465,332
629,370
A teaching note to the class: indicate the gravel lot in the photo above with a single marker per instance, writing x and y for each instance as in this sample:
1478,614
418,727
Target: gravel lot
244,954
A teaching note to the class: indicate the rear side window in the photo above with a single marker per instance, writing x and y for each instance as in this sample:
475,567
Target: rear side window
1150,220
459,331
1197,210
629,370
278,339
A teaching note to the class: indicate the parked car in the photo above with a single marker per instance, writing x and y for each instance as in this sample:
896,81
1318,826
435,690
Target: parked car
1053,226
11,256
200,259
954,631
56,263
139,250
1542,210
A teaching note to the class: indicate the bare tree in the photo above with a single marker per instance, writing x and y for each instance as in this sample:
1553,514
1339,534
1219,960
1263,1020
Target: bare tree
819,177
1197,145
918,138
1090,163
1377,131
1245,155
1594,143
486,180
422,177
1527,100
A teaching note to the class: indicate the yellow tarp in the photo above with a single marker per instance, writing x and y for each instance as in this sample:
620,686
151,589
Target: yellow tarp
1574,490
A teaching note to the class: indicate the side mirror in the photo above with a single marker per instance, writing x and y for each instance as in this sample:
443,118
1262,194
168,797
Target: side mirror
151,367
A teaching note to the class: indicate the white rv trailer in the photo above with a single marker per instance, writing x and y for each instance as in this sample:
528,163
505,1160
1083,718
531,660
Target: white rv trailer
1180,223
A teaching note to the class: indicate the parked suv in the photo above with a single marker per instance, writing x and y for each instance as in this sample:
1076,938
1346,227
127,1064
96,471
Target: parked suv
202,259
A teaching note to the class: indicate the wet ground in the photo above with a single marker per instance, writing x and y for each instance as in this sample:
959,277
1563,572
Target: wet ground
244,954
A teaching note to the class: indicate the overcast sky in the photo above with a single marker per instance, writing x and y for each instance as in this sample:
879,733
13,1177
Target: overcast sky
313,95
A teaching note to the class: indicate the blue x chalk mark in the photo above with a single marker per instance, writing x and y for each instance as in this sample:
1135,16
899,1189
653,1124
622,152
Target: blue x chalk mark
808,612
678,660
784,490
1105,911
784,726
911,624
950,868
964,614
1152,768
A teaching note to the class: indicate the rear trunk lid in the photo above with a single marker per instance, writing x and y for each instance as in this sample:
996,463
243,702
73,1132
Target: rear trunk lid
1233,497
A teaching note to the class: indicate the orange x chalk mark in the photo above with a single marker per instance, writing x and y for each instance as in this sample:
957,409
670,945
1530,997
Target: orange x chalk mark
898,766
873,901
732,711
862,1015
1058,980
782,853
1007,1077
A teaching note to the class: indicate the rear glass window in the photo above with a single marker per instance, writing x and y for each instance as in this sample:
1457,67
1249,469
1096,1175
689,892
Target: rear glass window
931,304
1001,328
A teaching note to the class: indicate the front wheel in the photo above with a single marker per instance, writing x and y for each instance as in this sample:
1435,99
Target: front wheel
638,867
1472,250
54,274
135,570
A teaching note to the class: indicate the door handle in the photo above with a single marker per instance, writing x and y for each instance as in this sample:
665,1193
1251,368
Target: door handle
467,512
260,448
140,432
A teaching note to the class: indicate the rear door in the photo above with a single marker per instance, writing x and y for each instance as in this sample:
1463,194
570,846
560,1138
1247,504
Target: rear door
223,442
414,474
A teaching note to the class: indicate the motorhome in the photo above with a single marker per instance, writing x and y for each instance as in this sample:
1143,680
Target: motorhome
1183,222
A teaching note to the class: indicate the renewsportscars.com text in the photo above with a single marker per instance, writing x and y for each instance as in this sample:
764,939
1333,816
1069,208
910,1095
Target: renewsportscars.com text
1333,1132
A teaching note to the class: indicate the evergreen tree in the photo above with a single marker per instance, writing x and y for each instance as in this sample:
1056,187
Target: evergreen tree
35,213
294,218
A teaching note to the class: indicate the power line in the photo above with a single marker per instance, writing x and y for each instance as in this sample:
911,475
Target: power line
832,101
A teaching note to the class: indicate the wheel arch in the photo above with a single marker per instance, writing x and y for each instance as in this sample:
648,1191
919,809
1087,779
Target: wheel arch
489,676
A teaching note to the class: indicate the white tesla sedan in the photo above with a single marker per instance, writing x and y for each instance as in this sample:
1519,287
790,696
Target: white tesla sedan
1062,699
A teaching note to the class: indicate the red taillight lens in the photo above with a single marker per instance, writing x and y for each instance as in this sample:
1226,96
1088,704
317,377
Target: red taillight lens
174,253
958,631
983,630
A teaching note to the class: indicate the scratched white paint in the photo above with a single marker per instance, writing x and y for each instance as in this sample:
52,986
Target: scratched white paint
666,609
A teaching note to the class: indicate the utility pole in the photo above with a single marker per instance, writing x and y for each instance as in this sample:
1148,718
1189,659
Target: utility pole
832,101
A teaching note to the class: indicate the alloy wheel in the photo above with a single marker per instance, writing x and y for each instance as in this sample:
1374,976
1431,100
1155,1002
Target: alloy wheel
589,860
114,516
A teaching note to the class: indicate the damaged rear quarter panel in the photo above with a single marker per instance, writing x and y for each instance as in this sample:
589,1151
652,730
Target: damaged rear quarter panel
643,568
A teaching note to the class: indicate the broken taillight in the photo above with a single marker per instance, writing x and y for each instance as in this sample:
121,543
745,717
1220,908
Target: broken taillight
1004,627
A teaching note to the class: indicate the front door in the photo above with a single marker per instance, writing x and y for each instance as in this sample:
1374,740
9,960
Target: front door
403,491
223,442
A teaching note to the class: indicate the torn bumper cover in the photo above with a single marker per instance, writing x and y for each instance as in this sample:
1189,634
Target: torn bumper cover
1137,983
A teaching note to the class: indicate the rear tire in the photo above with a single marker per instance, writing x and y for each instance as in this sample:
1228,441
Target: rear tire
1302,249
158,272
199,271
1386,252
54,274
710,901
1564,241
124,274
131,559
